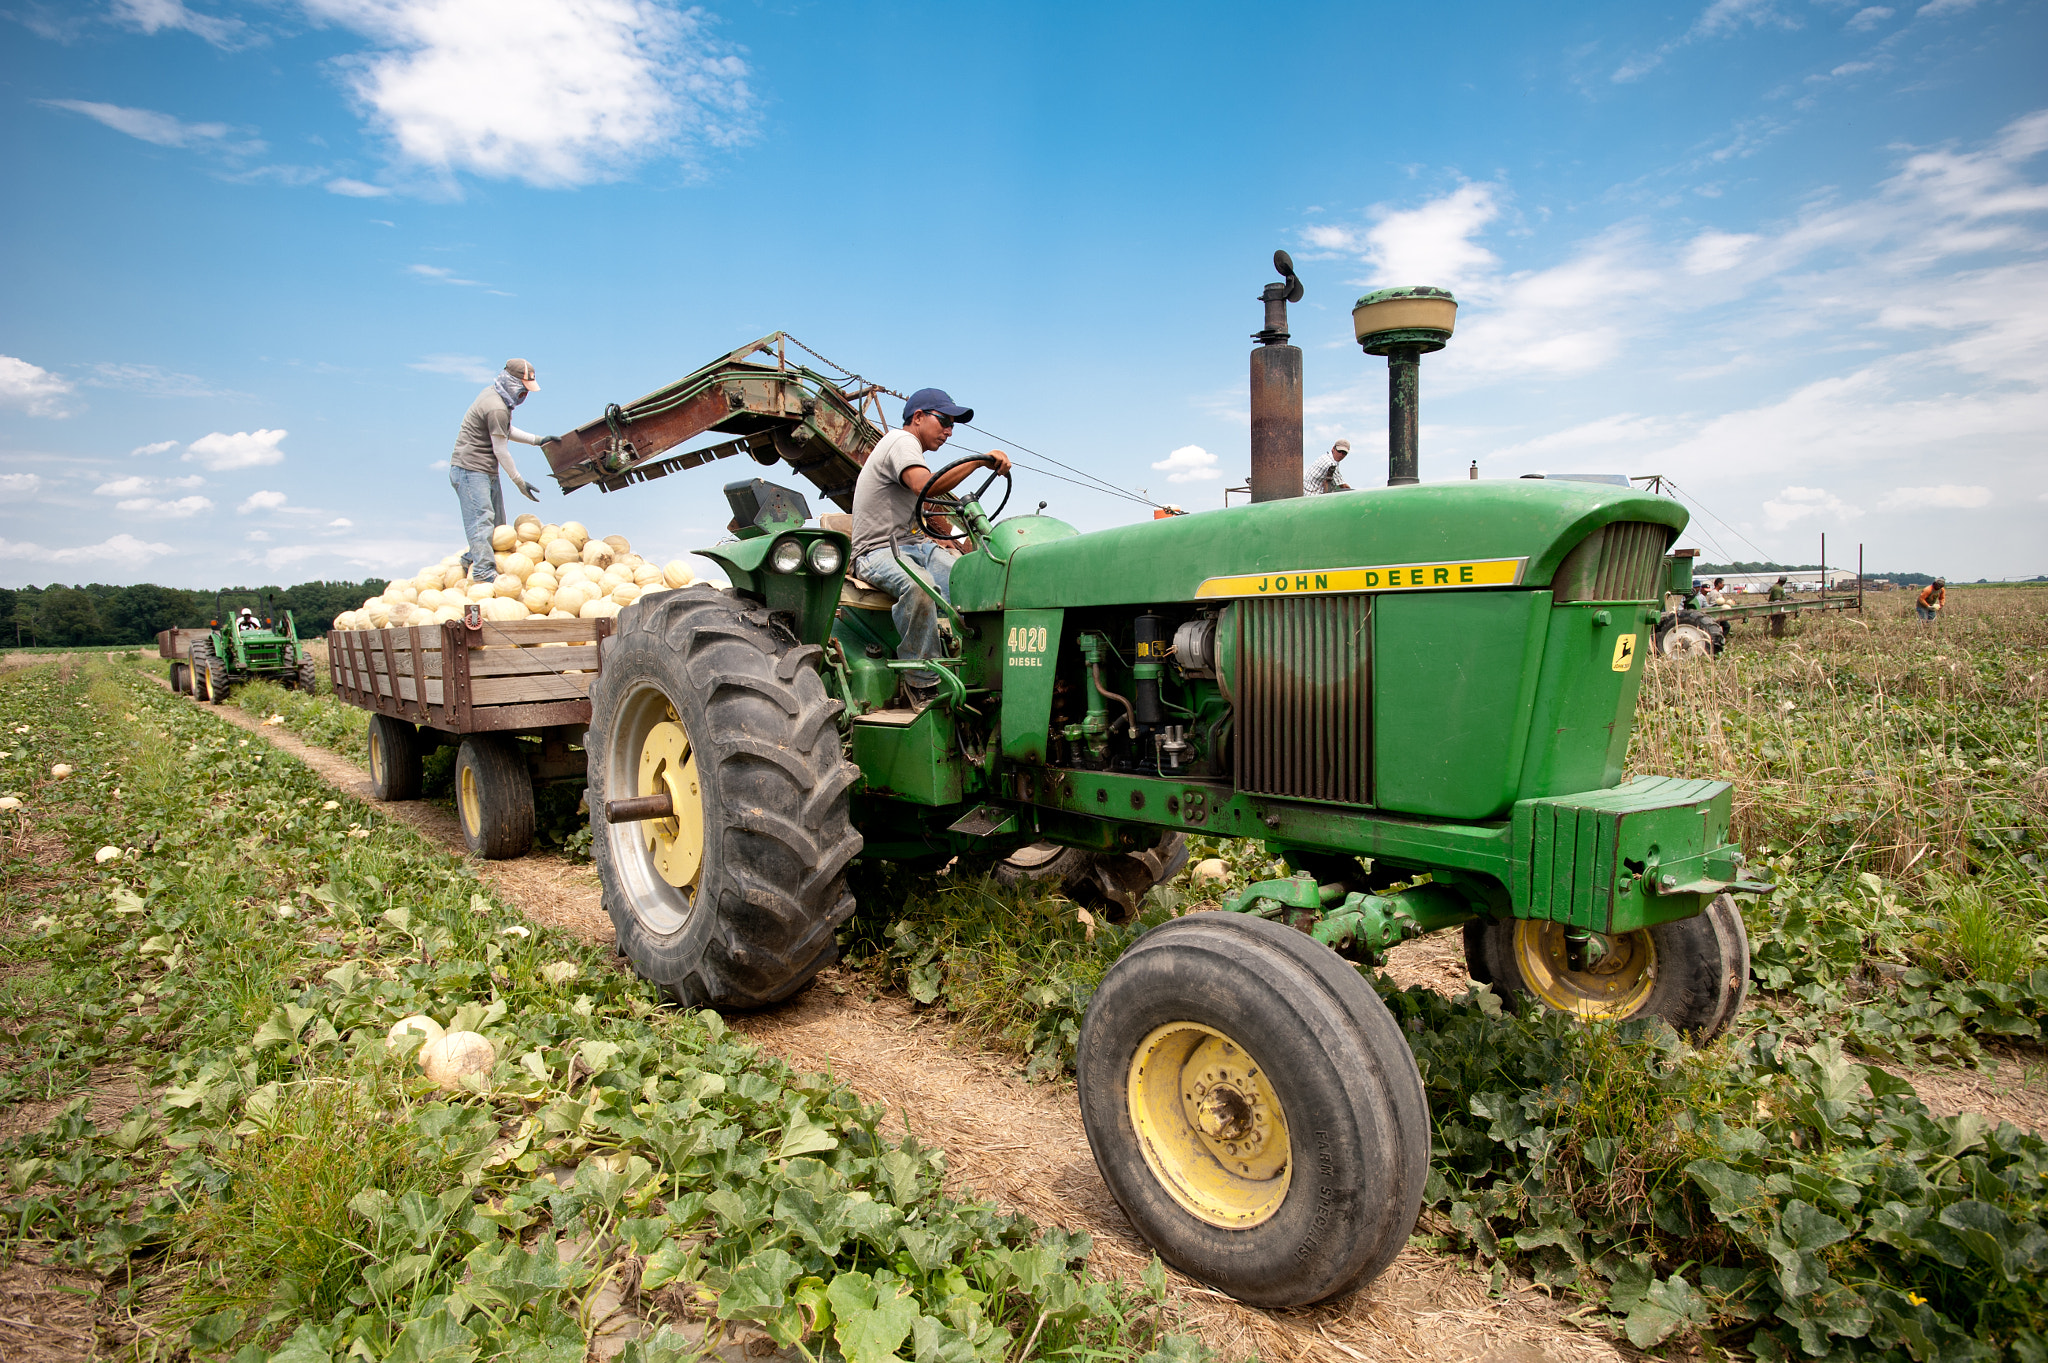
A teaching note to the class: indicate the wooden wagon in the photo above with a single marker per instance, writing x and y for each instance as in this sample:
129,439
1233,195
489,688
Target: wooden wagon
486,688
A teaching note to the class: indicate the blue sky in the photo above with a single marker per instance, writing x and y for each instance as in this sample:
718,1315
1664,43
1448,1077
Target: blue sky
261,256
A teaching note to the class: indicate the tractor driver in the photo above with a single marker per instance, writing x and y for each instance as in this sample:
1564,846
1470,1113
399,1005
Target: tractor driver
885,505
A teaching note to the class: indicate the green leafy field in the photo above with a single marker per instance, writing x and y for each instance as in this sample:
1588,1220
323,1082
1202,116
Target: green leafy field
196,911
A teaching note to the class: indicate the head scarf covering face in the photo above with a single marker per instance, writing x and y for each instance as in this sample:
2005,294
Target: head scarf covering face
510,389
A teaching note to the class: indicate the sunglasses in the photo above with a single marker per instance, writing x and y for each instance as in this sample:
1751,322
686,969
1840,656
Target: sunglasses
945,421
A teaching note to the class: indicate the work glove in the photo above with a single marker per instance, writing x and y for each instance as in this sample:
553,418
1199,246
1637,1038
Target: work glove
526,489
549,439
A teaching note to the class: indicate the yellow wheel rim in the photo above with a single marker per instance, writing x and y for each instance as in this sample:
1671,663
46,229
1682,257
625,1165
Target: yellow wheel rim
376,759
1614,986
468,803
1210,1125
675,844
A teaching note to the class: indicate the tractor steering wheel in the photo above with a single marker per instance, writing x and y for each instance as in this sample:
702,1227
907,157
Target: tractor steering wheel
948,502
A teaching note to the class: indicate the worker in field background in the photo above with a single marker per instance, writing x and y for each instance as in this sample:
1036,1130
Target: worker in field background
1928,608
1323,475
1779,591
885,507
482,447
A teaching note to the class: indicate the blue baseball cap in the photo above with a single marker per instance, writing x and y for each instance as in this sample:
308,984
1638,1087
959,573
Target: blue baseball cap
935,400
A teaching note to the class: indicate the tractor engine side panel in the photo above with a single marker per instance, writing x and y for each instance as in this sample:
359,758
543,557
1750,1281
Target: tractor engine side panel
1456,674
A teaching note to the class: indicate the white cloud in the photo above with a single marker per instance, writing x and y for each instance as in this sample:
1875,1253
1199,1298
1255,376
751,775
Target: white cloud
356,189
442,275
261,501
1189,464
155,447
1869,17
1794,504
258,537
1940,7
33,389
340,523
20,484
155,381
161,129
122,551
1718,19
1621,428
552,92
471,368
180,509
1712,251
135,485
242,450
1433,244
154,16
1947,496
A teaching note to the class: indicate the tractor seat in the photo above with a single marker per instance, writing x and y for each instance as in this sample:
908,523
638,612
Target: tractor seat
852,591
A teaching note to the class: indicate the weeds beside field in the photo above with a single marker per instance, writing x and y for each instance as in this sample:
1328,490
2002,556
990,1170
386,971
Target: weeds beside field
198,910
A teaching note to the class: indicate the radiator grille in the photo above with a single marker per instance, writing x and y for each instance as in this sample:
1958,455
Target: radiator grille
1619,562
1304,691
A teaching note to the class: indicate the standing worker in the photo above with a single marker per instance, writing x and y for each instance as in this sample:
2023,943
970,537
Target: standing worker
482,447
1778,593
1324,477
1931,598
884,511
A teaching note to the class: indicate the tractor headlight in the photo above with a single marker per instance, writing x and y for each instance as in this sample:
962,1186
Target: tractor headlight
787,556
826,558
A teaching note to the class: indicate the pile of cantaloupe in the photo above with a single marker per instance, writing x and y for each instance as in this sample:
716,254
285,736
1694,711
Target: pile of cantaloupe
545,572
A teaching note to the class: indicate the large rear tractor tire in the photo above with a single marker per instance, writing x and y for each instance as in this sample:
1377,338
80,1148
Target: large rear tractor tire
493,797
1118,882
396,758
1693,973
1254,1109
734,900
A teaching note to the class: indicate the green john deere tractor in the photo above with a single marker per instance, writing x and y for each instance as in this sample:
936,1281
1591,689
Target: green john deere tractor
1420,696
243,643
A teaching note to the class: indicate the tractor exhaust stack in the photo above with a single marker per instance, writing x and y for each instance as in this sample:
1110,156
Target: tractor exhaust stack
1403,325
1276,393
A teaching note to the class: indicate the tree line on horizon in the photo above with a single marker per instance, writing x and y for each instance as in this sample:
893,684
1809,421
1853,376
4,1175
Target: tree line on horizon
101,614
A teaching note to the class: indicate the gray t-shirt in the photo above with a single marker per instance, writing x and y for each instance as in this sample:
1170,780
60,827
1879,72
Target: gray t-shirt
486,417
880,501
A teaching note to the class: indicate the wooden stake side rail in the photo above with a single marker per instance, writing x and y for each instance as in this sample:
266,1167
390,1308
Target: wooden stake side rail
449,677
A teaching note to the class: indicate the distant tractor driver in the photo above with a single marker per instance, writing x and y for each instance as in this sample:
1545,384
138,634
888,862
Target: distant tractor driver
885,506
1325,476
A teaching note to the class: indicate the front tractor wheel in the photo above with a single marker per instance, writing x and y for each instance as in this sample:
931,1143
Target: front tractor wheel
734,898
1693,973
210,680
1688,636
1254,1109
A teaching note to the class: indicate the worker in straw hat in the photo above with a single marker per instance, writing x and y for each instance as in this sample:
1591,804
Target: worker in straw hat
483,445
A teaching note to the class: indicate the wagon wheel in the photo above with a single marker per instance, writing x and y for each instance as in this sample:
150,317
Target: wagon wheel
734,897
1254,1109
1693,973
395,759
494,797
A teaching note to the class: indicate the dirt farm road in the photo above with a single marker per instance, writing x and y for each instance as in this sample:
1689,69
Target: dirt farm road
1022,1145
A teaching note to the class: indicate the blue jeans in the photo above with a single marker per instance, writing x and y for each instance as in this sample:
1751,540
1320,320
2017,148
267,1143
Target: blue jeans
483,510
917,619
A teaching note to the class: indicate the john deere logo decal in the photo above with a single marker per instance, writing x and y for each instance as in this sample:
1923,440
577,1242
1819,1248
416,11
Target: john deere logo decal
1624,653
1396,577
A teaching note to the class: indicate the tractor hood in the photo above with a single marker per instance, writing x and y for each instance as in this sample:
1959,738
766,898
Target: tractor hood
1501,533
